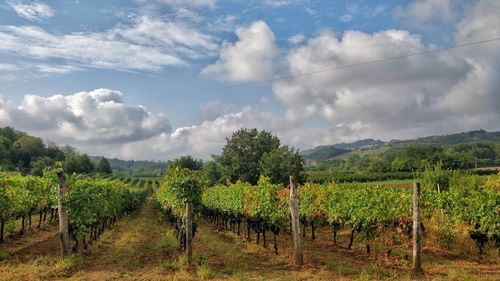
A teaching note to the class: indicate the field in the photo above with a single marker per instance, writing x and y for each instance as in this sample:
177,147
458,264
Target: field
137,248
142,245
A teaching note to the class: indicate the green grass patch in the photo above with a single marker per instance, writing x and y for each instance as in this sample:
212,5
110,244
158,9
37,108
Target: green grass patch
169,242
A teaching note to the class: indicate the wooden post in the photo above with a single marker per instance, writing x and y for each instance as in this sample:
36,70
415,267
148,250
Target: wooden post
189,233
417,259
441,209
63,216
294,211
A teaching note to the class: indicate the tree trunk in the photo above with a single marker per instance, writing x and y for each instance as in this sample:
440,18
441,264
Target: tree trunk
22,225
264,237
367,246
40,219
334,234
63,216
441,209
275,244
313,237
249,228
2,225
417,260
351,239
294,211
239,224
189,233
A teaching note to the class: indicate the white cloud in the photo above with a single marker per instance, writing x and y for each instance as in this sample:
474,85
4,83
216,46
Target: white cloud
56,69
380,8
206,138
346,18
248,59
214,109
412,95
297,39
96,117
146,44
225,23
279,3
422,12
184,3
8,67
32,10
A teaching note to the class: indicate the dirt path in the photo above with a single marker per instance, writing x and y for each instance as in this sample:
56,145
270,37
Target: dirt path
41,242
130,249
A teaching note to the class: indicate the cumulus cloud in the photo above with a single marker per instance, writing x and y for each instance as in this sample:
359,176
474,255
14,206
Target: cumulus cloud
446,91
148,43
96,117
248,59
214,109
32,10
206,138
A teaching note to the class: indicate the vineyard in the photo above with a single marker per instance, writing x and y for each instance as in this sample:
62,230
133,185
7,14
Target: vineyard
369,212
349,224
92,204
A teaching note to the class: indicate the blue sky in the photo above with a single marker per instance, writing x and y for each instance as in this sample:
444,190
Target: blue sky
158,79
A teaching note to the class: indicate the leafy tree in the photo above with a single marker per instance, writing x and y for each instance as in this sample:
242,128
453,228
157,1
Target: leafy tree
188,162
240,157
279,164
104,167
211,173
379,166
78,164
38,165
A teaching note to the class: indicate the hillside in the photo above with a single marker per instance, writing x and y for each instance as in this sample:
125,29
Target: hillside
372,146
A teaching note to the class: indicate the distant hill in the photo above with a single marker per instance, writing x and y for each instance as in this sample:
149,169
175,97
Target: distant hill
373,146
360,144
322,153
472,136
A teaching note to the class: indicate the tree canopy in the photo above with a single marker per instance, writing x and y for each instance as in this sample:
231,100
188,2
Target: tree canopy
104,167
188,162
250,153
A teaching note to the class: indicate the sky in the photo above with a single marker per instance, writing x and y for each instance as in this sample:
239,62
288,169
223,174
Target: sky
159,79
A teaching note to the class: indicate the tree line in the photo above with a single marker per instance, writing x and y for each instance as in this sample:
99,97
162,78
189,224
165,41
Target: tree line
416,157
30,155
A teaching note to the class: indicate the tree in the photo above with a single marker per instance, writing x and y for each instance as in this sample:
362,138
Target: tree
240,157
188,162
211,173
78,164
38,165
104,167
281,163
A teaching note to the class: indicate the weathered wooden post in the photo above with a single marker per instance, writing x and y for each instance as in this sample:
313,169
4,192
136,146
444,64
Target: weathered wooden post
189,233
294,211
63,216
417,259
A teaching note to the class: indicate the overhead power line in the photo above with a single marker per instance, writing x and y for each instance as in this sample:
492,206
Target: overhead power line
334,68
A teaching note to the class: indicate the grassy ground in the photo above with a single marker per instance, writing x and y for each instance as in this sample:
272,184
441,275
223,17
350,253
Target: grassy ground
142,247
